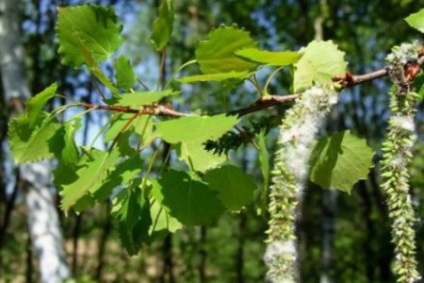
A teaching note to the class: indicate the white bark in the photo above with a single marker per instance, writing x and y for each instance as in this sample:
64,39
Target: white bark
43,221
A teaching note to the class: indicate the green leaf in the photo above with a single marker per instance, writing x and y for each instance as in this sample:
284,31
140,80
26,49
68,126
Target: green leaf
91,175
86,202
124,73
264,165
339,161
29,144
216,53
144,127
197,158
118,122
66,174
190,201
215,77
121,132
235,188
418,85
195,129
123,143
93,66
131,212
163,24
191,133
416,20
96,25
124,172
36,103
282,58
320,62
141,98
162,221
263,158
69,152
121,175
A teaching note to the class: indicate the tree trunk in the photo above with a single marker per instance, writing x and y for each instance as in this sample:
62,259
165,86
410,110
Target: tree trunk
43,221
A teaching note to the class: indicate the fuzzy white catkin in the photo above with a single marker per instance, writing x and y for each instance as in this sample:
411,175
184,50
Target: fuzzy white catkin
298,138
296,141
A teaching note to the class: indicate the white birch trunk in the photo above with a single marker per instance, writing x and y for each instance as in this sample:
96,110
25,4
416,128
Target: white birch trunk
43,221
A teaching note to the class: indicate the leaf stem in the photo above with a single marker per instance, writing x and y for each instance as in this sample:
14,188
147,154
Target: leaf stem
149,169
126,125
143,132
270,78
174,74
254,81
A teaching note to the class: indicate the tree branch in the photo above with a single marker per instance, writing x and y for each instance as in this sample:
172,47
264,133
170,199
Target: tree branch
157,110
346,81
263,103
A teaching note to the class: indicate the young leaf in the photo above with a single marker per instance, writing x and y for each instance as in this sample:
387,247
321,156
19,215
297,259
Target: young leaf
195,129
124,73
282,58
197,158
91,175
416,20
96,25
131,212
339,161
215,77
191,202
163,24
235,188
320,62
141,98
29,144
216,54
36,103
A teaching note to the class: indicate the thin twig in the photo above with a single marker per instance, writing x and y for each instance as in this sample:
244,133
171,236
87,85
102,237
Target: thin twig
264,102
99,89
143,84
126,125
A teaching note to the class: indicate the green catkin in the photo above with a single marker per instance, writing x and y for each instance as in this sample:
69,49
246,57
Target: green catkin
397,153
289,175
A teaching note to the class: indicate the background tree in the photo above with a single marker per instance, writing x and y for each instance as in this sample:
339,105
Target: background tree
32,179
